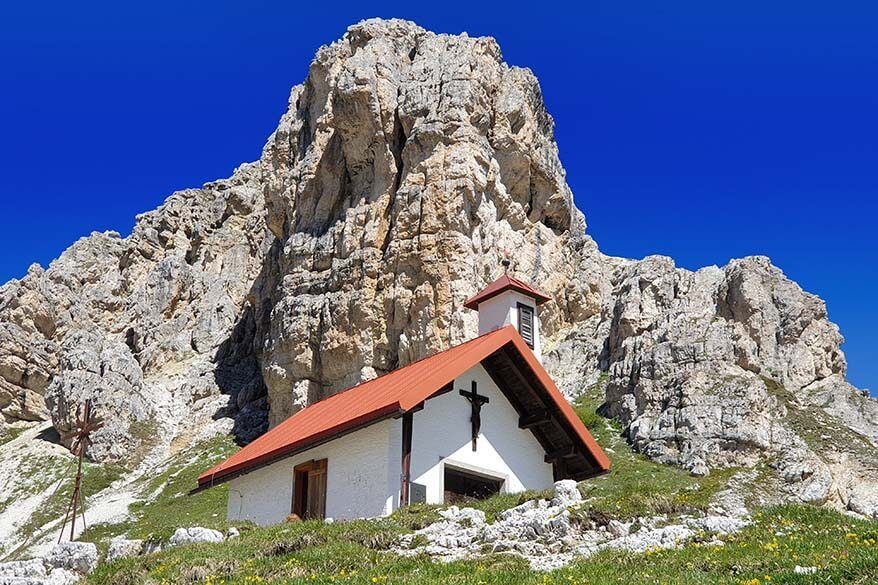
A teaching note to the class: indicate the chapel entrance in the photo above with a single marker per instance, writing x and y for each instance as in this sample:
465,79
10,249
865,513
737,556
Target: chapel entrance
461,485
309,490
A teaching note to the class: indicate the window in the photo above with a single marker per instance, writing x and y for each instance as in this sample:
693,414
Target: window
461,486
526,323
309,490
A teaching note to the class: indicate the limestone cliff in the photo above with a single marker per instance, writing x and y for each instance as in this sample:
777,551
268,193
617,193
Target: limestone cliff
140,324
405,165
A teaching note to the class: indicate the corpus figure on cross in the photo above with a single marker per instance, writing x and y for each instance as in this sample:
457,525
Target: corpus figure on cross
476,401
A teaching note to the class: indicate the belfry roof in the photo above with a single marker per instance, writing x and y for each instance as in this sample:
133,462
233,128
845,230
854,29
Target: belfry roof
503,284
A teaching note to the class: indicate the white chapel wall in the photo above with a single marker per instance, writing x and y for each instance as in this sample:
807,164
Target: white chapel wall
359,467
441,435
494,314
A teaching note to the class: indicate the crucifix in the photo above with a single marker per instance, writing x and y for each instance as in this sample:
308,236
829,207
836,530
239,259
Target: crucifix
476,401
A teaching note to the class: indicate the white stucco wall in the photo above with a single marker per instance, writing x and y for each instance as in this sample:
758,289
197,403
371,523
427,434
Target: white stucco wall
502,310
441,435
360,467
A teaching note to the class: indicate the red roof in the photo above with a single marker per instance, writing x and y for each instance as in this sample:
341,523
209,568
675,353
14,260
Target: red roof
392,394
502,284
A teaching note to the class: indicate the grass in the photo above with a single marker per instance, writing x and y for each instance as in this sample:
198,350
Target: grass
30,468
843,550
9,434
167,507
95,478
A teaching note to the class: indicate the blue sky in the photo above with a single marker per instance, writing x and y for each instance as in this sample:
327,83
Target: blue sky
700,130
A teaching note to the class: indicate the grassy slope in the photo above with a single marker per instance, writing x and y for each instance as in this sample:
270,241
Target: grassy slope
819,430
636,486
170,506
95,478
10,434
844,549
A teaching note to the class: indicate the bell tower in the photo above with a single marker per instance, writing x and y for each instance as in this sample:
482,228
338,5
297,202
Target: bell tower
509,301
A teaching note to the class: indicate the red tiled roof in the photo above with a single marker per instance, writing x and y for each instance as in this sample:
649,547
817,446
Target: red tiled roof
390,395
505,283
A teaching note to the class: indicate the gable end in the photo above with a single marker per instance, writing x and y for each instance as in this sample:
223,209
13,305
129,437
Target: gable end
539,413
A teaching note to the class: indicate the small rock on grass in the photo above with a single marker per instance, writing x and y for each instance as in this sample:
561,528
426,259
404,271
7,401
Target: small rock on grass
121,548
566,493
195,535
80,557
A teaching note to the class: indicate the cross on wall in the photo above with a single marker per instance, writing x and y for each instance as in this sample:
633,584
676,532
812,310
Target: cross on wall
476,401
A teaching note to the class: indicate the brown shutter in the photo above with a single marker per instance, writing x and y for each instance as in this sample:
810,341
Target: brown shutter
526,324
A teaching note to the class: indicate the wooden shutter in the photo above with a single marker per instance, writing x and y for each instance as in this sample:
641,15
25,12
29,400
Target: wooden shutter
300,491
526,324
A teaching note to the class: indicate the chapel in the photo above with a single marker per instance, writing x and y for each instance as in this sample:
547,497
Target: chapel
480,418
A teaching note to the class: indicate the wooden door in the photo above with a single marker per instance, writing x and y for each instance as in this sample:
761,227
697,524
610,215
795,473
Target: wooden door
309,490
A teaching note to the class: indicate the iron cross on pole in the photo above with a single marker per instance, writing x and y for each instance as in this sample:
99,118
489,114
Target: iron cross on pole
476,401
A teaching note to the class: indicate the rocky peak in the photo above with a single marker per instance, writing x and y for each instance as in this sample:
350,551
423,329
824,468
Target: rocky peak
406,163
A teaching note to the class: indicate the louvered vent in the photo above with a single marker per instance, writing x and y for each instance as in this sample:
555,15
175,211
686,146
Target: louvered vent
526,324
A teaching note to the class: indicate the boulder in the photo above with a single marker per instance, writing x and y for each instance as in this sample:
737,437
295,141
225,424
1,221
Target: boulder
464,515
30,569
864,500
194,535
60,577
719,524
35,572
618,529
566,493
121,548
79,557
666,537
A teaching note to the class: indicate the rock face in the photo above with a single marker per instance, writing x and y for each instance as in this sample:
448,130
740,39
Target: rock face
727,367
140,324
406,163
